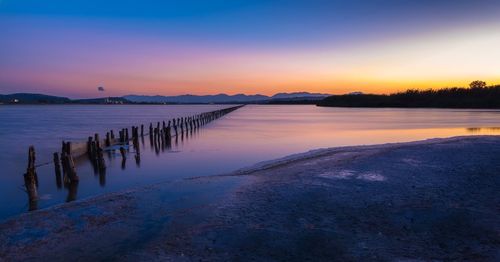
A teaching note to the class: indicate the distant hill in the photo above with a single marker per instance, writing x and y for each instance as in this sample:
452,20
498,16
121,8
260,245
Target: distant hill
224,98
102,100
280,98
27,98
483,97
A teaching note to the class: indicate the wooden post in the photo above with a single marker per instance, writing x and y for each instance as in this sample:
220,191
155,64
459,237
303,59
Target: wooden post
97,142
100,159
57,168
89,147
72,166
30,179
108,140
162,137
175,126
57,165
169,135
151,134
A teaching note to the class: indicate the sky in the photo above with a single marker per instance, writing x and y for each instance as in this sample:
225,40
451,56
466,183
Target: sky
149,47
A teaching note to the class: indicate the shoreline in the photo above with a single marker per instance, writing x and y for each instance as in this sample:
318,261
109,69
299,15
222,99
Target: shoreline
319,152
222,198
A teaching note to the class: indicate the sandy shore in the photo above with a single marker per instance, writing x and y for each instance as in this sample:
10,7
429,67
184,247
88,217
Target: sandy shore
437,199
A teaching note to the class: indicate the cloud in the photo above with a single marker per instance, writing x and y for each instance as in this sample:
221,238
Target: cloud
100,89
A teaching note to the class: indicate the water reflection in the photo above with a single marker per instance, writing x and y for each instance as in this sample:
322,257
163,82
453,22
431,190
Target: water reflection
245,137
160,139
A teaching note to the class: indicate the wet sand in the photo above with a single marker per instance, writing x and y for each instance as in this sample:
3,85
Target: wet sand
428,200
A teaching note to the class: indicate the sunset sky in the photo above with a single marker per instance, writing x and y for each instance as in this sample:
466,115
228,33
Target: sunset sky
69,48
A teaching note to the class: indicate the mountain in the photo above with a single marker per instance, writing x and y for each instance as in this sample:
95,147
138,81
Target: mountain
280,98
224,98
27,98
194,99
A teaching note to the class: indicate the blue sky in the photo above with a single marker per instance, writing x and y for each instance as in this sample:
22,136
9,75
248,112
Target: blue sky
57,29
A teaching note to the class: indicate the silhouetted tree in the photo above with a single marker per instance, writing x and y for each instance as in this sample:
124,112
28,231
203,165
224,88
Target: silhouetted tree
477,84
478,96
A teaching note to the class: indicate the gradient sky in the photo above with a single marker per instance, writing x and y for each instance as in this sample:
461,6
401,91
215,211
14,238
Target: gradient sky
70,48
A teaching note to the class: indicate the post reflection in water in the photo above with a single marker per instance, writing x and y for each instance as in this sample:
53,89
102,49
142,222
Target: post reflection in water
72,190
160,140
102,177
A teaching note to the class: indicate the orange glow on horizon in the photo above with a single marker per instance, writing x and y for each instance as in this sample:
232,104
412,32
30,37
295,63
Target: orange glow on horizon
436,60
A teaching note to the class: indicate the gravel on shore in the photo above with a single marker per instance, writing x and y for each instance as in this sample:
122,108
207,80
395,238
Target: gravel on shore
436,199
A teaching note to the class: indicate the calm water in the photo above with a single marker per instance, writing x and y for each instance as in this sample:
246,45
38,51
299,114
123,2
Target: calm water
249,135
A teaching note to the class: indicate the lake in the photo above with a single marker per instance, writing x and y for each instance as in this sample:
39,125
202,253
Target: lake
244,137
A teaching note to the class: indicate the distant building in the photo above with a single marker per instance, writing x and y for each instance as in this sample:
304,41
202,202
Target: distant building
111,100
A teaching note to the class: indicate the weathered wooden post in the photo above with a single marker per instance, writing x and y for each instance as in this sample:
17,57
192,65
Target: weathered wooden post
71,163
135,134
89,147
97,142
30,179
175,128
169,135
151,138
108,140
94,151
142,130
183,124
57,167
100,159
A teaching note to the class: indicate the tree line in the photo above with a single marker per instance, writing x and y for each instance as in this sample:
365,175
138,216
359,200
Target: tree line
478,95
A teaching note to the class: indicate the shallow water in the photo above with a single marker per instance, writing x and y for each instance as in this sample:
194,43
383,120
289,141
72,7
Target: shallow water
246,136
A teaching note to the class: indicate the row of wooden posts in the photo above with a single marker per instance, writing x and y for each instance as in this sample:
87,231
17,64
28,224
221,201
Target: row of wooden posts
158,133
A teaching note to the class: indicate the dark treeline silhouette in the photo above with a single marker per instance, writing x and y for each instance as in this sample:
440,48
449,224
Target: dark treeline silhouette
477,96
